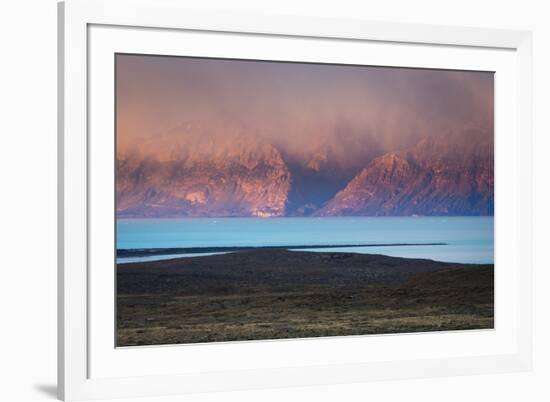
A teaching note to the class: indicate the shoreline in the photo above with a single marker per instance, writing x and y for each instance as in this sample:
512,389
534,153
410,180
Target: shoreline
146,252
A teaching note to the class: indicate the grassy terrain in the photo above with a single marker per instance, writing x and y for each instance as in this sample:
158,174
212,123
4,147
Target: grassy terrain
275,293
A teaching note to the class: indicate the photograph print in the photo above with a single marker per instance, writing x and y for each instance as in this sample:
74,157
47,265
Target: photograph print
264,200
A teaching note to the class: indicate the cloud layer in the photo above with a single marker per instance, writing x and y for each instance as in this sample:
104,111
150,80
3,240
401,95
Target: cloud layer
358,111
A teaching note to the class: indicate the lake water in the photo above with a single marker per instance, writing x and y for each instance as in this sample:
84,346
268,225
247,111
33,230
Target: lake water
469,239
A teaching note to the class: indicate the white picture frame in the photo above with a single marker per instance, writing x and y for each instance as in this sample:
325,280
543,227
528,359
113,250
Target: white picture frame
88,367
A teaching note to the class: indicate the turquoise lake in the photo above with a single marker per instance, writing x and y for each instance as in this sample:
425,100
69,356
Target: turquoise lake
468,239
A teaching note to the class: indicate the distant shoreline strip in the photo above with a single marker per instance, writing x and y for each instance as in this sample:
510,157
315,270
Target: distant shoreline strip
146,252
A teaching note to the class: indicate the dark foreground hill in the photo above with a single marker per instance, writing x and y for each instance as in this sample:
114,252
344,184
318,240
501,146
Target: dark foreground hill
274,293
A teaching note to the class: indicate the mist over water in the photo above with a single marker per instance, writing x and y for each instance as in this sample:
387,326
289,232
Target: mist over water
191,131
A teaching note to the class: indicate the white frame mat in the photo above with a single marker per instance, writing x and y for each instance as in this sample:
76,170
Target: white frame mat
90,367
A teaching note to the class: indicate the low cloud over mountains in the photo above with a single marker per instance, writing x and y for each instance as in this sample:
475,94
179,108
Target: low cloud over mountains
243,177
207,137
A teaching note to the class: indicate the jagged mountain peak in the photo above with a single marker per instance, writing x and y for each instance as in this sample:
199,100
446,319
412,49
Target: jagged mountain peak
430,178
233,173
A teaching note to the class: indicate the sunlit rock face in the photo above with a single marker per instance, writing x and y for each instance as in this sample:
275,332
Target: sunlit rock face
206,176
430,178
196,171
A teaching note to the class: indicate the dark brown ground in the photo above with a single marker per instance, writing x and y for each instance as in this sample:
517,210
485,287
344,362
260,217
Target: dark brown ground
274,293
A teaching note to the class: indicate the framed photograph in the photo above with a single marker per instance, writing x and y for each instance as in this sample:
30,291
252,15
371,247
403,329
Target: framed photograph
253,201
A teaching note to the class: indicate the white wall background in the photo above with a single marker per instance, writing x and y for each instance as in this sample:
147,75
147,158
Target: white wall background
28,198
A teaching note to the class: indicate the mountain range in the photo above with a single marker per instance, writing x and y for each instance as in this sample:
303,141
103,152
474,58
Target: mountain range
236,176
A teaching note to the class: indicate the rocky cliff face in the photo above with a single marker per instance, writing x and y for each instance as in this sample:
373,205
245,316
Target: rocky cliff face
428,179
229,174
230,177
